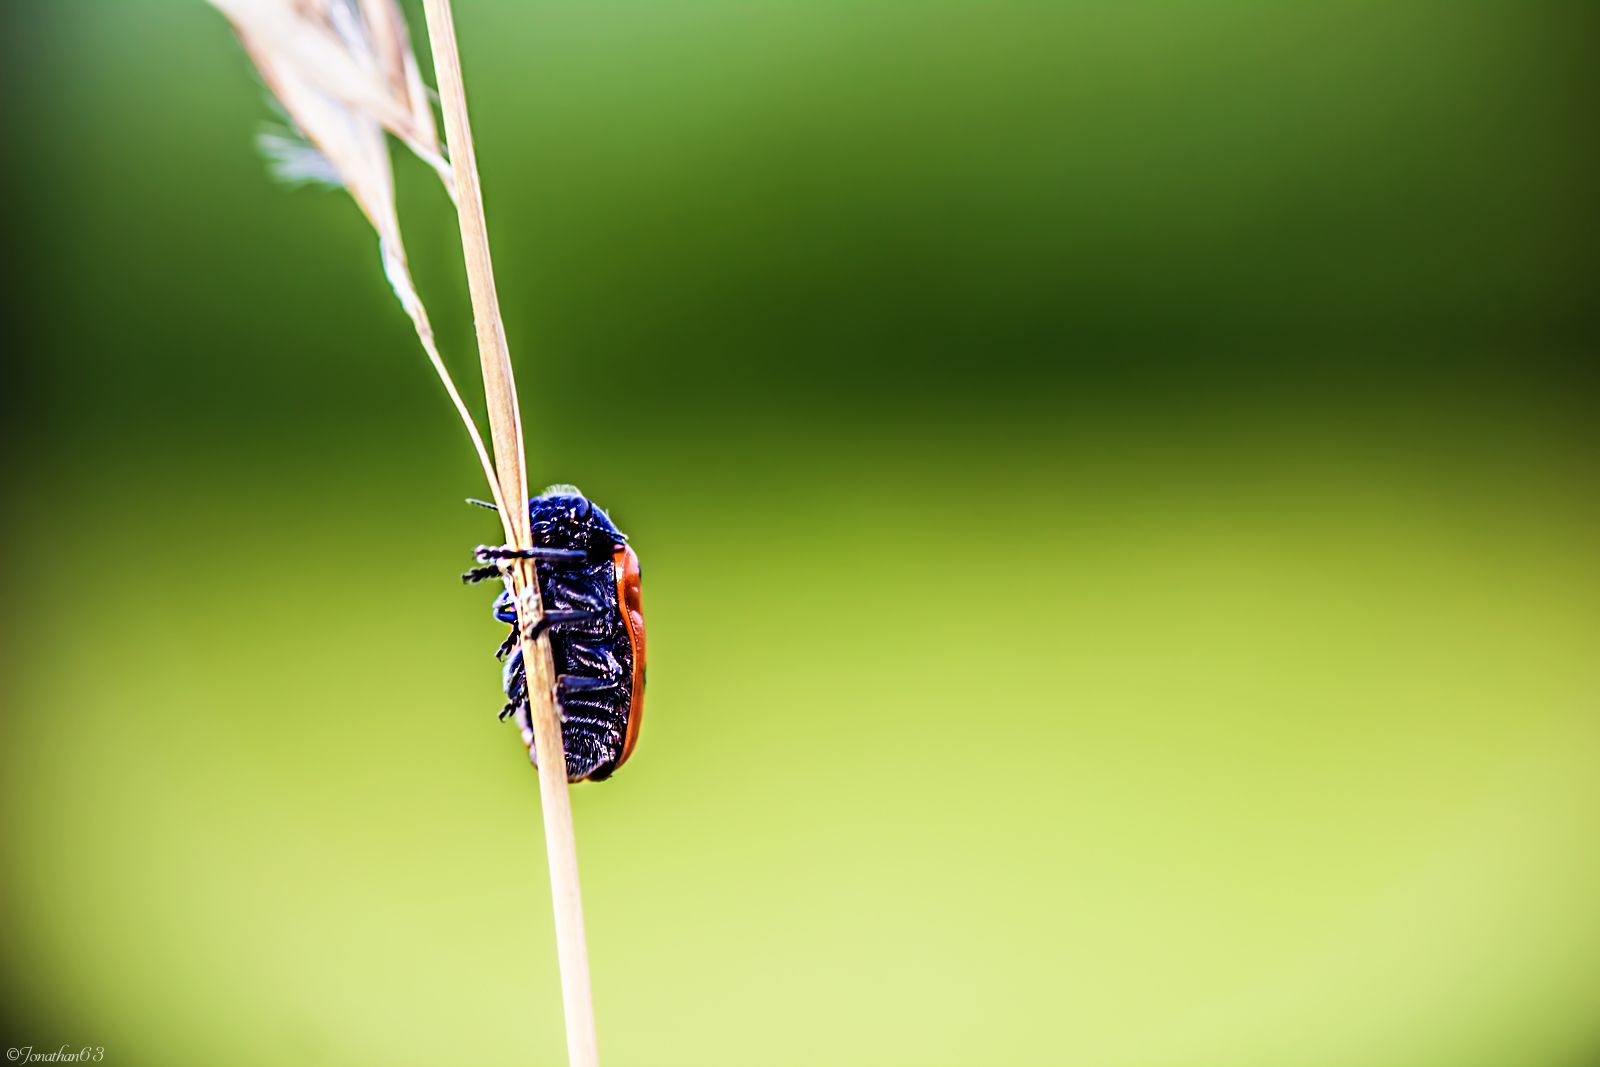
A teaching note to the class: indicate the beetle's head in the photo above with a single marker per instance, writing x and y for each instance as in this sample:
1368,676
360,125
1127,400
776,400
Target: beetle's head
564,518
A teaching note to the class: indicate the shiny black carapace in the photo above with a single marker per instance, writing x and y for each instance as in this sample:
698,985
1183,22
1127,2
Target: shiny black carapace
589,583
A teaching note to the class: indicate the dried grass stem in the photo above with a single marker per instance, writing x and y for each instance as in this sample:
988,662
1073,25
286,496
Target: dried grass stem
505,426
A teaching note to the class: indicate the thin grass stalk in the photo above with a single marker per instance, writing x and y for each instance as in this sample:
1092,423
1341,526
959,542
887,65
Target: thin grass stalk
505,426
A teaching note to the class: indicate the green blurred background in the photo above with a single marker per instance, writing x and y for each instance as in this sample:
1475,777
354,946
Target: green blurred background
1117,492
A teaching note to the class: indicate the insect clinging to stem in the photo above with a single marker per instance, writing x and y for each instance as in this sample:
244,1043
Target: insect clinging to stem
589,585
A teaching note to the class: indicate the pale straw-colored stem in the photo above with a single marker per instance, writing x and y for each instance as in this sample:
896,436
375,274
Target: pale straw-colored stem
505,427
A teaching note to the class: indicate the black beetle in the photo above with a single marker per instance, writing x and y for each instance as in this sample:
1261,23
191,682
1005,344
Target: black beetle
589,585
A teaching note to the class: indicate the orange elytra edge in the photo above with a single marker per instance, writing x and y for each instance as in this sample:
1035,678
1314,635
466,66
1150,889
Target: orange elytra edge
630,605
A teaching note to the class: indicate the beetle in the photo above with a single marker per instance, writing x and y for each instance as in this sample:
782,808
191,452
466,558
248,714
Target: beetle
589,585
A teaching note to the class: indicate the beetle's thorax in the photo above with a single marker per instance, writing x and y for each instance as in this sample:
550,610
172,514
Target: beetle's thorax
570,520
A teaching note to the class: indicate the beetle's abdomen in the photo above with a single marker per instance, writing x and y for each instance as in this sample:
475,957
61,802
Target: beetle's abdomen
595,657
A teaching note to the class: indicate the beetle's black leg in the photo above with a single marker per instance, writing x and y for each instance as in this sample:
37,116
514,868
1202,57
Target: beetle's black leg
492,554
480,574
585,592
548,621
581,683
509,709
551,619
488,553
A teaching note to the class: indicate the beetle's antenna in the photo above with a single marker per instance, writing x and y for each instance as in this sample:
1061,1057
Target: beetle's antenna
483,504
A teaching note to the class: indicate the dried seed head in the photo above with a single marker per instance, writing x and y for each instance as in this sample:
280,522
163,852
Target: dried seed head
343,75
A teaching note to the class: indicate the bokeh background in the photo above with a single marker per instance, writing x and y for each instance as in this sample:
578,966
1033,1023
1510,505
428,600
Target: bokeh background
1117,491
